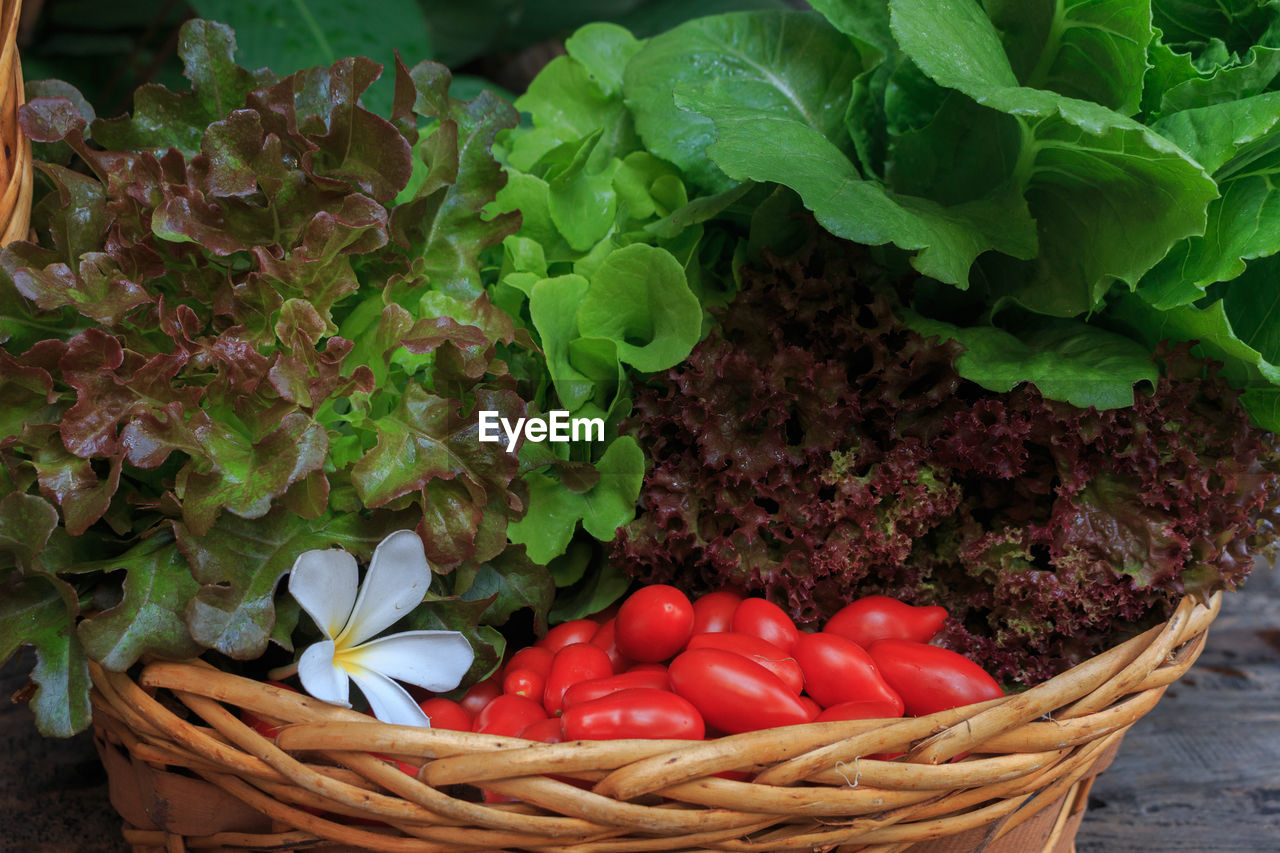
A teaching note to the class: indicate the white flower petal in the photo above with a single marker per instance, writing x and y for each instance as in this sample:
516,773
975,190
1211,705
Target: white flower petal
436,660
396,582
389,702
324,583
321,676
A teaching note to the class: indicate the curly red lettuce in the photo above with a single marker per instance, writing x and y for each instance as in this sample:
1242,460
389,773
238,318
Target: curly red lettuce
814,449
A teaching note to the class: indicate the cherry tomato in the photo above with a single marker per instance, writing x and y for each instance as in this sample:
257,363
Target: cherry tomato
535,658
838,670
481,694
761,651
575,662
872,709
654,623
879,617
446,714
525,682
550,730
637,712
713,612
931,679
607,639
573,631
509,714
766,620
734,694
585,691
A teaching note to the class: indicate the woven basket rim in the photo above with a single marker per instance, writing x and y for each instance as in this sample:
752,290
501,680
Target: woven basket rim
16,172
993,763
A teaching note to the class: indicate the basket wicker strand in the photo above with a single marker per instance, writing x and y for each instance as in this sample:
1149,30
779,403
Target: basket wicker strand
15,148
1010,774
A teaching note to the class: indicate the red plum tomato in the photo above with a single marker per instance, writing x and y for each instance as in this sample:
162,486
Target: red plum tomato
573,631
607,639
713,612
549,730
585,691
762,618
647,667
575,662
509,714
637,712
535,658
763,652
733,693
837,670
446,714
879,617
931,679
653,623
872,709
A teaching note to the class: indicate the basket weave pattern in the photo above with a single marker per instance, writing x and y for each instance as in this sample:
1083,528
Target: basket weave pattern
15,148
974,778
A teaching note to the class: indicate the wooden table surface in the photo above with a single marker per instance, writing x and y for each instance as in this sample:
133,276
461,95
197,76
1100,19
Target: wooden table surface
1200,773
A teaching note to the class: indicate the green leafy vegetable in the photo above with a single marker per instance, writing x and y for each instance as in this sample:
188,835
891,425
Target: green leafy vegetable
257,322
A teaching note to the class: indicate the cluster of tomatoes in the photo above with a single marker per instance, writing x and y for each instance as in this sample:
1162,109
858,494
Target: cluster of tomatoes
668,667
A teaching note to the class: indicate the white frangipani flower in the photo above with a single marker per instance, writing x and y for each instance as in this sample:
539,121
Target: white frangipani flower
325,584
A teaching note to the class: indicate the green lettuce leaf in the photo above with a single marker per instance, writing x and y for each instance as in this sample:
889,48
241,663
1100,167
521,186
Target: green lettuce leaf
1066,360
639,299
1109,196
1093,50
787,63
554,512
1238,142
1210,327
765,146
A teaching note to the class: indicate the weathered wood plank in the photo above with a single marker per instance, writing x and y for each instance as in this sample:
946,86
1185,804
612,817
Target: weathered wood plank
1202,771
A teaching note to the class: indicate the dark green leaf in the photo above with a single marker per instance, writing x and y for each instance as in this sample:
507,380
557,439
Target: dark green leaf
150,619
443,219
26,522
33,612
239,562
511,582
288,35
603,586
163,119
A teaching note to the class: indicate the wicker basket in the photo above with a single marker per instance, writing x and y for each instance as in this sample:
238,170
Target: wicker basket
15,149
1008,775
